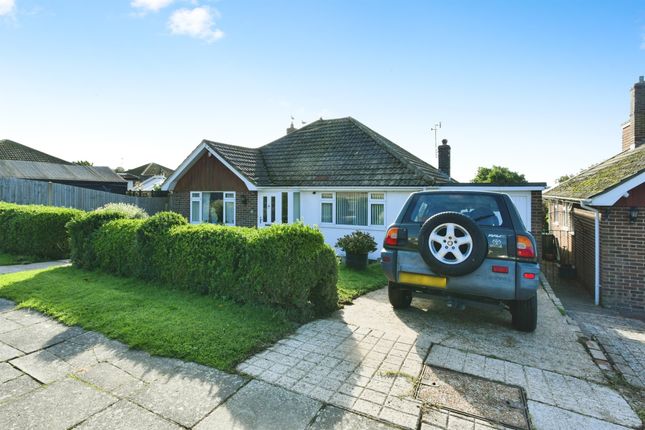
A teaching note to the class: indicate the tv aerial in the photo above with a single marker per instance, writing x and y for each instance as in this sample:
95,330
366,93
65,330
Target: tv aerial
435,129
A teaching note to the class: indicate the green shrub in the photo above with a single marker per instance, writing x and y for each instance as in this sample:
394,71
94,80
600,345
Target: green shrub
81,232
357,242
35,230
151,231
116,247
130,211
287,266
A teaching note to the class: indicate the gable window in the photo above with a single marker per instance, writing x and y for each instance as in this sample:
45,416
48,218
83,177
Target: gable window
326,208
212,207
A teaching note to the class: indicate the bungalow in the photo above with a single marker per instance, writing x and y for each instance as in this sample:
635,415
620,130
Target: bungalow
337,174
599,217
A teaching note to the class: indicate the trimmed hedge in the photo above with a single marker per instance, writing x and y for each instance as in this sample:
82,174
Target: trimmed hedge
35,230
288,266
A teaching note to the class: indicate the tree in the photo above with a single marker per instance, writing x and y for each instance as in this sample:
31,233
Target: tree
563,178
498,175
119,169
84,163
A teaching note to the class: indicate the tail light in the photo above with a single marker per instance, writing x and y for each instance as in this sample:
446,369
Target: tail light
525,247
392,236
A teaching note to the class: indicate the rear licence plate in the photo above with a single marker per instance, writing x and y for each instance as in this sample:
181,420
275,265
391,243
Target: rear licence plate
425,280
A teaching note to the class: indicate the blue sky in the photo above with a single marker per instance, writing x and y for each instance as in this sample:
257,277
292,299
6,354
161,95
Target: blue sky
539,86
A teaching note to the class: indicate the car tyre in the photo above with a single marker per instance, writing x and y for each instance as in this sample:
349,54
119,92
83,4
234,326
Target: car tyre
400,298
524,314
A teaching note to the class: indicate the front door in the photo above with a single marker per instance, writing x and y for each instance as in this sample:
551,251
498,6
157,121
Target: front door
269,209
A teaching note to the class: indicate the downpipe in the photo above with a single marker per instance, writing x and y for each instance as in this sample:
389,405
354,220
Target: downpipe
583,204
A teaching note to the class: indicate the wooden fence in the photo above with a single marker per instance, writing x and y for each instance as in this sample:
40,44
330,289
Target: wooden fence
27,192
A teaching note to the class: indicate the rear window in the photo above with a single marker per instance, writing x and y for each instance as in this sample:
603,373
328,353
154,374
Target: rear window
484,210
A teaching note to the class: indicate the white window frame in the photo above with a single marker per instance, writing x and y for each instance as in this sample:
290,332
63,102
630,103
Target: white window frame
371,201
194,198
331,200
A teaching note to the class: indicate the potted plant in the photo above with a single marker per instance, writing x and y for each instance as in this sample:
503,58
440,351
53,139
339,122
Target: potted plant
356,246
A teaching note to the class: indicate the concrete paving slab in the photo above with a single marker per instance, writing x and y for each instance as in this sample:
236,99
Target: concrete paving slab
79,357
42,366
334,418
6,305
8,372
8,325
259,405
126,415
25,317
110,378
8,352
142,365
58,406
38,336
553,418
17,387
189,394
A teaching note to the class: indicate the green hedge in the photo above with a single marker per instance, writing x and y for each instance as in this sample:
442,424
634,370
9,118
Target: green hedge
35,230
288,266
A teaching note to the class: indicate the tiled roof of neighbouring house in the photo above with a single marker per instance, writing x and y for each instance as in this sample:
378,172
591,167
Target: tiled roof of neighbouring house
335,152
602,177
10,150
150,169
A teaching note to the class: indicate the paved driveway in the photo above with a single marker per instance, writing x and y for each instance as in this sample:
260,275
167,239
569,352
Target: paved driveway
436,367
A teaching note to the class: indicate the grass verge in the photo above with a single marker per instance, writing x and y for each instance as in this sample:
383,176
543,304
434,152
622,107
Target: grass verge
353,283
10,259
161,321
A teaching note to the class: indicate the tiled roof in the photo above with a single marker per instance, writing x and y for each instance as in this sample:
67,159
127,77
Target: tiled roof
248,161
150,169
602,177
10,150
336,152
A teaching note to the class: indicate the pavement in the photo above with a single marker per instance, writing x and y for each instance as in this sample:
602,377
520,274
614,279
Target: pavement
367,366
32,266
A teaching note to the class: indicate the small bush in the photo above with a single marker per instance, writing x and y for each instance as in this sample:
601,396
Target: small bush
81,232
130,211
116,247
35,230
151,231
357,242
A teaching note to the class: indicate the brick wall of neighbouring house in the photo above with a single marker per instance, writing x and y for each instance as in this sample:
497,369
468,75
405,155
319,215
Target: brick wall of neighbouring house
537,218
180,203
246,208
623,260
583,242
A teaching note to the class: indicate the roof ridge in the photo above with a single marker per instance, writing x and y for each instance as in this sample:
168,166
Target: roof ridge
387,144
41,153
213,146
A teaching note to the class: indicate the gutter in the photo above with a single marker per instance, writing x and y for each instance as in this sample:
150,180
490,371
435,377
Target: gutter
583,204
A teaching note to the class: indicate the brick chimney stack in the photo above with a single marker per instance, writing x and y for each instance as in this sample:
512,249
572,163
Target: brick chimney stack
444,157
634,128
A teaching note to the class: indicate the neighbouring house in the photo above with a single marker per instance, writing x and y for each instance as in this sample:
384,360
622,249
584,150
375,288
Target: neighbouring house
22,162
337,174
146,177
599,215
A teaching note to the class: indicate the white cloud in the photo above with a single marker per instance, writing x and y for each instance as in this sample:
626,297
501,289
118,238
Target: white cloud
7,7
198,22
149,5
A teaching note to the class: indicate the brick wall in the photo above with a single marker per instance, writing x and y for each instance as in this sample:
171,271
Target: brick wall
634,133
180,203
628,136
537,218
246,206
623,260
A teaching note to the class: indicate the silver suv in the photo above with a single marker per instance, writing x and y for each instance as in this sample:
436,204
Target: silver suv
463,245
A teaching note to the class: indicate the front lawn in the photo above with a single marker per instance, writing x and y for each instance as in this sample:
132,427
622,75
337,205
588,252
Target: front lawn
10,259
153,318
353,283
